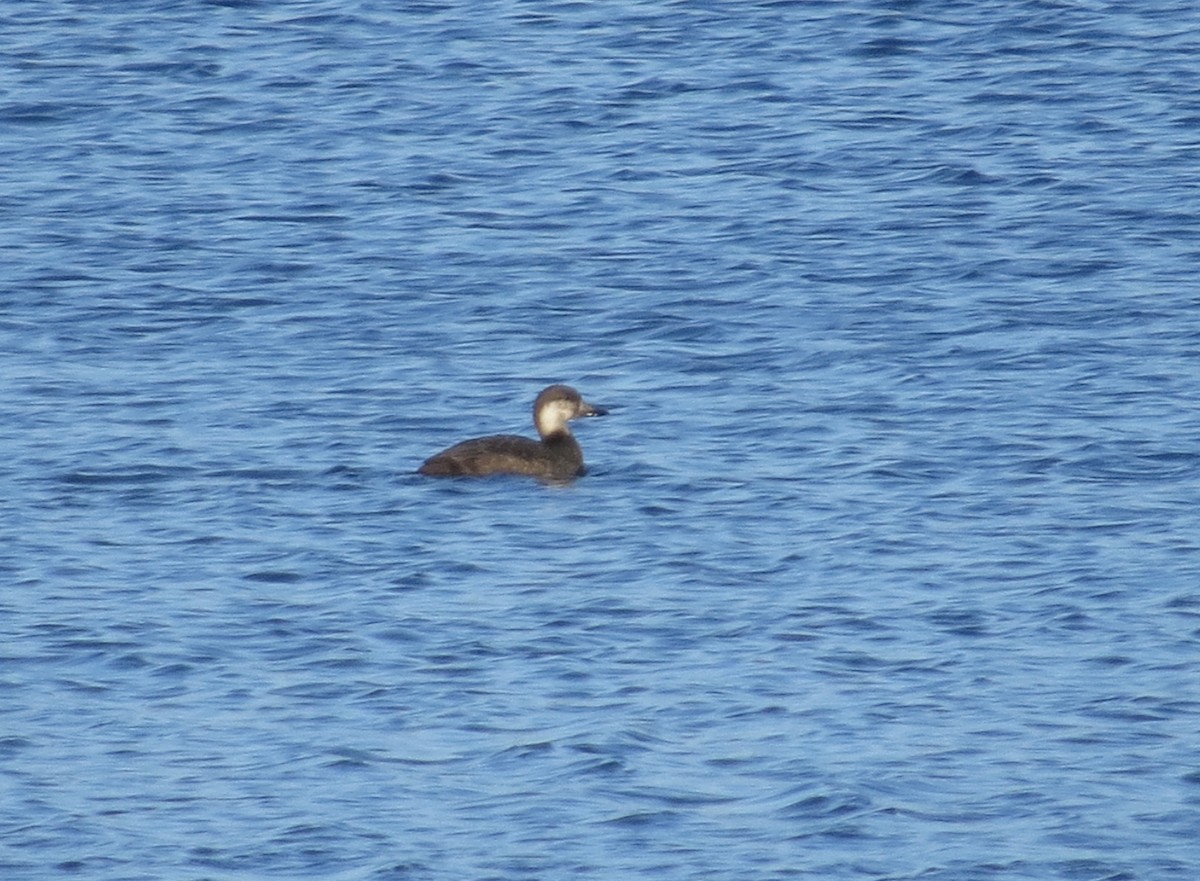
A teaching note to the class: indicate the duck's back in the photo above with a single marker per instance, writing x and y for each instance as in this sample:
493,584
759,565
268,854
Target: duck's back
555,458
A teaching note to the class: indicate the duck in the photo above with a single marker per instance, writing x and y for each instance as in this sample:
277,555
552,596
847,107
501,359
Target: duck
555,456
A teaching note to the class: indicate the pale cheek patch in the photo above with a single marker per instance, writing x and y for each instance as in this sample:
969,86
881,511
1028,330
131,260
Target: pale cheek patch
554,417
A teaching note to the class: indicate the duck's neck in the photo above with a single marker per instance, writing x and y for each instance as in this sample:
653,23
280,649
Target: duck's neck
550,424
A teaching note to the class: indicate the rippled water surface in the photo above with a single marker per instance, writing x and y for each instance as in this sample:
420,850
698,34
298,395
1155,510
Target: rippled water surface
888,563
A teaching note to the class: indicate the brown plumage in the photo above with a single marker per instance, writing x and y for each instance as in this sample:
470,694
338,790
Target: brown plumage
556,456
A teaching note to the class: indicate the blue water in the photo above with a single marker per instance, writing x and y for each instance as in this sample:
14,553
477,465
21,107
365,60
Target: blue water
888,563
